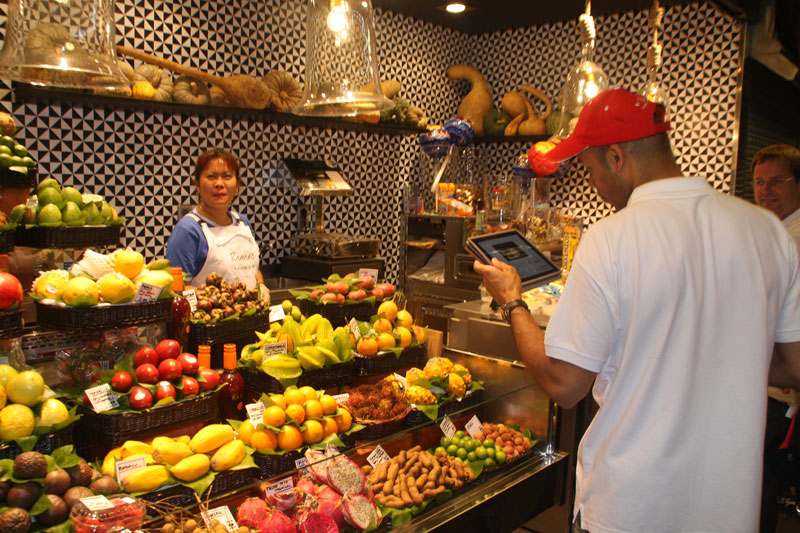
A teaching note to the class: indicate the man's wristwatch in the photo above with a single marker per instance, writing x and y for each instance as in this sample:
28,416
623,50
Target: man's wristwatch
506,309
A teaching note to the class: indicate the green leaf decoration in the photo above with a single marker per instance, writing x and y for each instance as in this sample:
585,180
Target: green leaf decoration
65,457
201,485
354,428
27,443
332,439
431,411
164,401
247,462
46,430
41,505
63,527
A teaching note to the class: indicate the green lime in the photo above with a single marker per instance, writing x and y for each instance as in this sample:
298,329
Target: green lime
8,141
5,150
456,441
470,444
444,441
28,161
472,457
461,453
452,449
439,449
498,448
460,434
490,452
500,457
480,453
488,443
5,160
489,463
20,150
17,161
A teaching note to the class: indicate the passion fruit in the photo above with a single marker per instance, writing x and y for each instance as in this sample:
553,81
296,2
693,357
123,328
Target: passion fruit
23,495
15,520
55,514
30,465
81,474
74,494
57,482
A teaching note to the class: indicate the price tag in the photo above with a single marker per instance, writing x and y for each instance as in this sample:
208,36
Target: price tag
364,272
354,328
191,297
223,515
127,466
101,398
341,398
97,503
448,428
474,426
377,456
276,313
279,487
255,411
400,379
301,463
147,293
4,360
274,348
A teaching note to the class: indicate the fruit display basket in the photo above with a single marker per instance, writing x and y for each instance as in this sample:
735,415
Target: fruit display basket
102,316
6,241
224,483
338,315
11,179
10,324
227,329
258,382
68,237
389,362
273,465
471,399
377,429
46,443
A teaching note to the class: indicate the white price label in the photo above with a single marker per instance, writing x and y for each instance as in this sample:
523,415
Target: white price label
354,328
279,487
147,293
276,313
341,398
377,456
255,412
191,297
301,463
372,272
400,379
448,428
101,398
127,466
97,503
474,426
223,515
275,348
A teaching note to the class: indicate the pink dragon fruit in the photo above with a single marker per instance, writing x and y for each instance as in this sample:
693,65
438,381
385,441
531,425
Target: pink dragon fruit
306,486
345,476
284,501
318,465
315,522
251,512
276,522
359,511
330,503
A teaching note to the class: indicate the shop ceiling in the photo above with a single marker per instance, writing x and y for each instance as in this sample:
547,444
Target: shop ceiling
485,16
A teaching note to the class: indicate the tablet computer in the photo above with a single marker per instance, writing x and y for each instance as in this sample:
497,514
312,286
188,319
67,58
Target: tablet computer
513,248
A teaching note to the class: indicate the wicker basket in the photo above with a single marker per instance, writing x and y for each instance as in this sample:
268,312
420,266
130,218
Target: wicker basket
68,237
10,324
6,241
416,418
272,465
389,362
46,443
338,315
102,316
228,329
340,374
224,483
377,429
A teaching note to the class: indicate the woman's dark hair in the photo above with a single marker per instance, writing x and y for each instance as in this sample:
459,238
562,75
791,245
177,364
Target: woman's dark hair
206,158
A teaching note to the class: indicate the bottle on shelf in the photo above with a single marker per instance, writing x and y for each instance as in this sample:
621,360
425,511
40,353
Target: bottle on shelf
204,356
178,327
232,397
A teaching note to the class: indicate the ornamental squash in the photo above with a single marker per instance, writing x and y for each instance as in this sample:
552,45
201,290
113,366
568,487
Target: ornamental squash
535,125
190,91
143,90
158,78
478,101
217,96
285,91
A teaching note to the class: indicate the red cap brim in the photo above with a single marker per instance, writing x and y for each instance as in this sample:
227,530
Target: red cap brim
566,149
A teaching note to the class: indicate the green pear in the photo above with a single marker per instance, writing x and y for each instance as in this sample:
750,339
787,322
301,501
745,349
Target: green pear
72,215
71,194
105,213
49,195
92,214
48,183
17,213
49,215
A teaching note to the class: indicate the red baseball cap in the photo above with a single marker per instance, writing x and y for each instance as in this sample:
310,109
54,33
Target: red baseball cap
613,116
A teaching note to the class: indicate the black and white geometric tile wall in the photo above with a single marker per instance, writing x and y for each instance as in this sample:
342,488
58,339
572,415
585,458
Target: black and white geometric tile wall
142,160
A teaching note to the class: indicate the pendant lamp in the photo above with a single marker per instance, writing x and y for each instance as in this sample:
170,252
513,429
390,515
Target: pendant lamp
64,43
341,60
652,89
584,81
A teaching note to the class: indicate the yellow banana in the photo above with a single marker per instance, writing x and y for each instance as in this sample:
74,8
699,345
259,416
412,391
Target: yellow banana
229,455
145,479
135,447
211,437
192,468
171,452
109,462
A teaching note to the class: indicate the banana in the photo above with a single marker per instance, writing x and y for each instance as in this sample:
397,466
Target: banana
229,455
145,479
211,437
158,264
135,447
110,461
192,468
171,452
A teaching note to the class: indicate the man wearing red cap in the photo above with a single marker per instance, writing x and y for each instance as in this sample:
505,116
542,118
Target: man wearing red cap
669,316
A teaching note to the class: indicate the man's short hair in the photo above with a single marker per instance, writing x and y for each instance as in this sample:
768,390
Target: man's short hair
777,151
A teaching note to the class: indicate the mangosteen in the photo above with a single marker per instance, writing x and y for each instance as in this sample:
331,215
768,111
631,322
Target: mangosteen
81,474
227,311
55,514
216,301
239,295
238,308
237,285
30,465
225,299
216,314
252,294
4,486
204,304
213,279
211,290
15,520
104,484
23,495
57,482
74,494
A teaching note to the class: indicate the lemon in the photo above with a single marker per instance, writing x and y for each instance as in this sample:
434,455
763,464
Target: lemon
49,284
16,421
26,388
53,412
80,292
6,373
128,262
3,396
116,288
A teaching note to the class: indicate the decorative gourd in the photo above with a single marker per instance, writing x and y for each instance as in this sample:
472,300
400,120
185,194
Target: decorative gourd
217,96
125,90
158,78
389,88
284,89
495,122
143,90
49,40
190,91
534,125
126,69
478,100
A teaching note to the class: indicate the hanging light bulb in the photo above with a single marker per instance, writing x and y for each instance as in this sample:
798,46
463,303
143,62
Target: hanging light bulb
341,60
652,89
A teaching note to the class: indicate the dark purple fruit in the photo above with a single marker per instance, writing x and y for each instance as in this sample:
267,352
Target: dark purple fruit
57,482
23,495
15,520
56,514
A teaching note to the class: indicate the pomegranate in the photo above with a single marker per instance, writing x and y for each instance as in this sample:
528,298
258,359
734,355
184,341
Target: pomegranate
275,521
251,512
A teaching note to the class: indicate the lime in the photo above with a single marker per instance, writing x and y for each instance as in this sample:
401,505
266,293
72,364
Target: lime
472,457
16,421
470,444
28,161
480,453
53,412
5,160
455,440
6,373
439,449
490,452
5,150
461,453
3,396
20,150
26,388
489,463
8,141
452,449
460,434
500,457
488,443
498,448
444,441
287,307
296,314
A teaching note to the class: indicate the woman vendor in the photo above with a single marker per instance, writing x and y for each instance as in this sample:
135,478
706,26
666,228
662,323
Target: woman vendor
212,237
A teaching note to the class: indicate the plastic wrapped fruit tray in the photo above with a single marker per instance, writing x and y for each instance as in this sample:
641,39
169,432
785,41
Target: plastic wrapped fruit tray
68,237
388,362
10,324
6,241
340,374
102,316
224,483
415,418
228,329
338,315
46,443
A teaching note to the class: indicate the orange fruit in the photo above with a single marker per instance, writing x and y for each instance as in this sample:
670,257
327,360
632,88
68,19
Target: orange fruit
278,400
296,413
404,319
274,416
385,341
382,325
405,336
246,430
344,421
329,427
388,309
294,396
264,439
313,432
420,333
367,346
313,409
328,404
290,438
309,392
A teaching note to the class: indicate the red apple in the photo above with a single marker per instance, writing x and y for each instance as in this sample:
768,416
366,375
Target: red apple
168,349
140,398
342,287
189,364
315,294
145,355
350,275
329,297
377,292
331,286
190,386
211,379
10,291
366,283
165,388
387,288
122,381
340,298
147,373
170,369
359,294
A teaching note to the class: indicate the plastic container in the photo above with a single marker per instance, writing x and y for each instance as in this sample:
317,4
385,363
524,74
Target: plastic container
116,513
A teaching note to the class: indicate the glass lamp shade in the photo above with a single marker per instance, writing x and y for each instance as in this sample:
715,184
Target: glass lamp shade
584,82
64,43
341,60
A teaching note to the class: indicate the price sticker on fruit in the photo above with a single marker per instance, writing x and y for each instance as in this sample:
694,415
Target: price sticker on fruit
474,426
378,456
255,411
101,398
147,293
276,312
126,466
448,428
223,516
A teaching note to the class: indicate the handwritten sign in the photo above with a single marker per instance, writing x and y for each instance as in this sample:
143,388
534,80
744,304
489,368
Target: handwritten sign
400,379
474,426
276,313
341,398
377,456
191,297
223,516
127,466
97,503
275,348
354,328
372,272
279,487
147,293
448,428
101,398
255,411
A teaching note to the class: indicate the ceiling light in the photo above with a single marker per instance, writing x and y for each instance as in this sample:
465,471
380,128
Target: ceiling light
455,8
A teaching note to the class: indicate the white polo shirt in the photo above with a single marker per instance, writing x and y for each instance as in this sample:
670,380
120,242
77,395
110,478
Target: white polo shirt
674,301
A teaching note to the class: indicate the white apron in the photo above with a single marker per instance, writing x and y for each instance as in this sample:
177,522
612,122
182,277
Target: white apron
232,252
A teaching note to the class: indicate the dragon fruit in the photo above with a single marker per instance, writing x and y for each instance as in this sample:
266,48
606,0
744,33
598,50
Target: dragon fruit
359,511
316,522
318,465
306,486
276,521
330,503
345,476
251,512
284,501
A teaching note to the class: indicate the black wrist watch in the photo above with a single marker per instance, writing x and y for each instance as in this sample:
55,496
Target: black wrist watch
506,309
